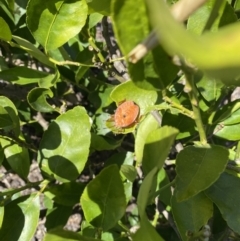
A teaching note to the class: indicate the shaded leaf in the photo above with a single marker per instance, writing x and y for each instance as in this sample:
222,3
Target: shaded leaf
225,193
230,132
102,7
22,215
129,172
17,156
103,200
197,168
37,99
54,22
192,214
65,145
5,32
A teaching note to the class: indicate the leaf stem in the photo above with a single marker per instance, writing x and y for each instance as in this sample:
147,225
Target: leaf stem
68,62
191,89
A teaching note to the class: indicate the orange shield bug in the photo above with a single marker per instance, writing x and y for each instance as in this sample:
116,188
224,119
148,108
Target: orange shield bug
126,115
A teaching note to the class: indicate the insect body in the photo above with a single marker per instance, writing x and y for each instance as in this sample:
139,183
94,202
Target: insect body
125,118
126,114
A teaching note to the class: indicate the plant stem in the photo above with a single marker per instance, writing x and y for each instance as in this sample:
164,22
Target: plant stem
28,185
164,187
193,96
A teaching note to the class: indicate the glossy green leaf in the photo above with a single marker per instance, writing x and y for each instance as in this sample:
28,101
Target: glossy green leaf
33,51
157,147
100,143
225,193
102,7
1,216
230,133
37,99
198,168
94,18
50,80
121,158
5,32
210,88
12,112
54,22
129,91
192,214
64,147
22,75
67,194
129,172
21,215
146,232
5,119
131,26
103,200
214,53
59,233
234,118
57,216
145,127
17,156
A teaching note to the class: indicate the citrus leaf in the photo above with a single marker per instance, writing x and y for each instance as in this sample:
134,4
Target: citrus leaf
37,99
102,7
65,145
65,235
22,75
16,155
22,215
214,53
157,147
129,91
5,32
192,214
225,193
1,216
145,127
103,200
12,112
33,51
54,22
230,132
197,168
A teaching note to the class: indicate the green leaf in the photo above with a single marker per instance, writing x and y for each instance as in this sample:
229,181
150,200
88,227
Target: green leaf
5,32
210,88
129,172
102,7
50,80
21,215
145,127
33,51
157,147
37,99
146,232
214,53
22,75
197,168
54,22
58,216
225,193
192,214
16,155
12,112
129,32
129,91
5,119
103,200
65,145
94,18
197,21
230,133
1,216
59,233
100,143
67,194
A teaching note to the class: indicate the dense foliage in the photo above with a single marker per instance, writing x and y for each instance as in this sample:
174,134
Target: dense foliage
165,169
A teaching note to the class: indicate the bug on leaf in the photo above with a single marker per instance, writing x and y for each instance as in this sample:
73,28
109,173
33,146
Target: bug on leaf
126,116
